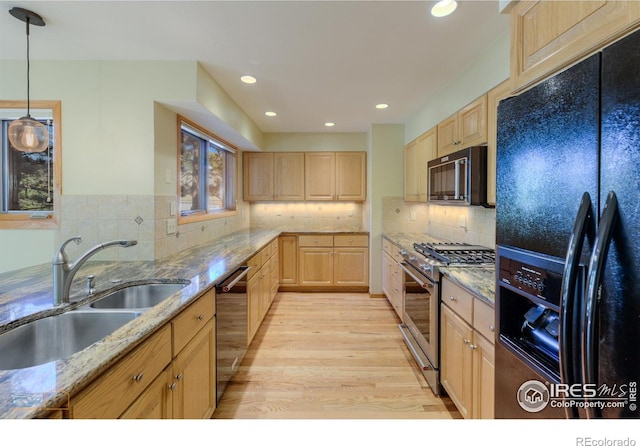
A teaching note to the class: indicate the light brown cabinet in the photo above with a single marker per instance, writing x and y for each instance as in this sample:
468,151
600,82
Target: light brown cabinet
331,176
262,286
273,176
338,261
549,36
466,128
494,96
417,155
393,277
172,374
288,259
467,354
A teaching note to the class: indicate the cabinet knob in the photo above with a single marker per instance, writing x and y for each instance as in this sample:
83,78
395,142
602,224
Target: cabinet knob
200,317
466,341
179,376
172,386
452,298
492,328
137,378
473,347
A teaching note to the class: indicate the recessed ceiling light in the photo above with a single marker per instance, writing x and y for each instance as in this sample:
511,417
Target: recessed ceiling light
248,79
382,106
271,113
444,8
329,124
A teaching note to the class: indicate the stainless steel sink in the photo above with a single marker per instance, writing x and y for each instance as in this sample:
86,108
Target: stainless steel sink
138,296
57,337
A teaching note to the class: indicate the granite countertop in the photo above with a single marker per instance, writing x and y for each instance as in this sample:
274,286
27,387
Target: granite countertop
480,280
26,295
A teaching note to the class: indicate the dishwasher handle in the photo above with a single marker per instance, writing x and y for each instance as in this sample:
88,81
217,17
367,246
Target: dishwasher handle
233,278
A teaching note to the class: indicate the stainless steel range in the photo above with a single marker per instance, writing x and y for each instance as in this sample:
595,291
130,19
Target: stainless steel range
421,319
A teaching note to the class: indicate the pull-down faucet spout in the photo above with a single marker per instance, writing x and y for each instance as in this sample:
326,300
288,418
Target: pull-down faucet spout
63,271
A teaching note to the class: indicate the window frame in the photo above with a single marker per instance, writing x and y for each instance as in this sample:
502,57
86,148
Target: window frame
231,196
23,220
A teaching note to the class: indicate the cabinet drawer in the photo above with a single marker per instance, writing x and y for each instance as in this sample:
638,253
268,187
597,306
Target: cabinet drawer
191,320
255,263
386,246
484,319
274,247
112,393
458,299
315,240
361,241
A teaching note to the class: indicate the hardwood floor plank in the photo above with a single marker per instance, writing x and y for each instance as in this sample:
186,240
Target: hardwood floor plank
330,356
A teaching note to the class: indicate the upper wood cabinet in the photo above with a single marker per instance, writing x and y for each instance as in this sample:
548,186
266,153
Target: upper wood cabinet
417,155
273,176
466,128
547,36
288,176
335,176
494,97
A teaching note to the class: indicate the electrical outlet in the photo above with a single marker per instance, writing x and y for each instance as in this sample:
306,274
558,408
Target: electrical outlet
462,221
412,216
171,226
172,209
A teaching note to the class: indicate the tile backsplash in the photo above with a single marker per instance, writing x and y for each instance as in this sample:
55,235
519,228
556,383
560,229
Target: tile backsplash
467,224
319,216
101,218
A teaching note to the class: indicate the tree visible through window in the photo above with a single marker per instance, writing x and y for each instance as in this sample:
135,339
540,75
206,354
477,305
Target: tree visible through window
207,172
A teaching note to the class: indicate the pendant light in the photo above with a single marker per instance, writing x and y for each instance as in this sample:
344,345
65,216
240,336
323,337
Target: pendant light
26,134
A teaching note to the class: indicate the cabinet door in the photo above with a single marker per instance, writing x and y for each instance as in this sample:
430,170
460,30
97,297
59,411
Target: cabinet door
258,176
483,377
320,175
288,176
411,171
427,146
472,120
194,372
155,402
351,178
456,358
548,36
253,305
494,97
448,136
265,289
288,253
316,266
351,266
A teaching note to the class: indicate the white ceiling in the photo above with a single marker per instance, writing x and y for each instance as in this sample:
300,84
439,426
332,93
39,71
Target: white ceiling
315,61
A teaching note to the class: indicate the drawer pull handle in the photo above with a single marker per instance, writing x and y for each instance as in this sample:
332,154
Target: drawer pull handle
179,376
492,328
172,386
466,341
200,317
473,347
137,378
453,299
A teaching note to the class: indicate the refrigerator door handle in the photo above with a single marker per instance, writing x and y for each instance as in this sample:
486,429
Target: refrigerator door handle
569,311
594,278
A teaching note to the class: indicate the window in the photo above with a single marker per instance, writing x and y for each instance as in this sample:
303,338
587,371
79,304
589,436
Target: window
30,182
207,174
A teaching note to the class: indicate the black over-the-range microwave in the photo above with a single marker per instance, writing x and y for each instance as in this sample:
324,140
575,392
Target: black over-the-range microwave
459,178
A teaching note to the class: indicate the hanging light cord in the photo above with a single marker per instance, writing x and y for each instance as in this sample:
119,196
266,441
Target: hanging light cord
28,70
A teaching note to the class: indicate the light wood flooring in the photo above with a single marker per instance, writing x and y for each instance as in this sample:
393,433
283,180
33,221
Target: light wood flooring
330,356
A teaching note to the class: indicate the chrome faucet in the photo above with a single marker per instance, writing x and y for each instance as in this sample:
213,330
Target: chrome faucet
63,271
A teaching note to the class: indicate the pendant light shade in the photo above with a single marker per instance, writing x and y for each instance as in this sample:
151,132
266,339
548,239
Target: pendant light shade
26,134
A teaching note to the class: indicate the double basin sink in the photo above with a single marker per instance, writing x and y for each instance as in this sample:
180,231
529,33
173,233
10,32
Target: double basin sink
57,337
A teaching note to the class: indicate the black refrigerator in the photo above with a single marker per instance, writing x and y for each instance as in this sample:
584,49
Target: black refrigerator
568,242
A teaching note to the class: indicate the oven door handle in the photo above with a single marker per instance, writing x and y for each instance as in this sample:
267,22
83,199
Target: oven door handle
426,284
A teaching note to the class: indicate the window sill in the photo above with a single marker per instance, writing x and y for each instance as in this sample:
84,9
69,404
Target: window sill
17,221
194,218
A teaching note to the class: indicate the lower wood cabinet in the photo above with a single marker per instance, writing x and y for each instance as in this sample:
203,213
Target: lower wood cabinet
467,356
393,277
262,286
339,261
172,374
